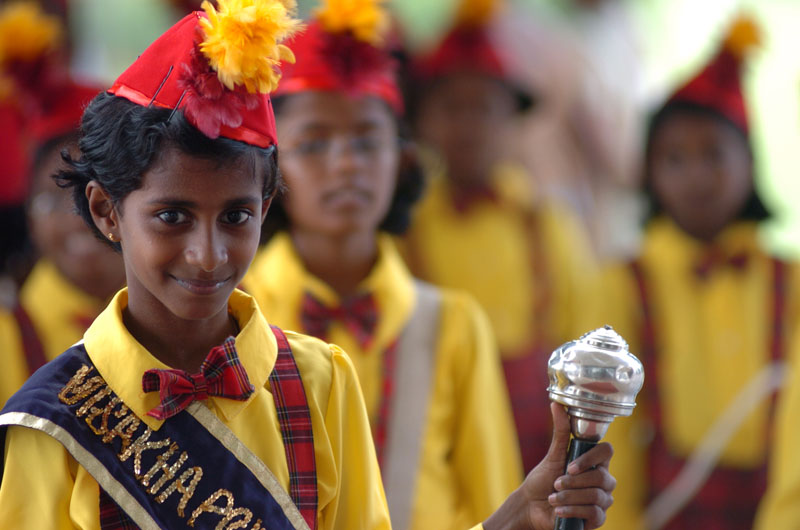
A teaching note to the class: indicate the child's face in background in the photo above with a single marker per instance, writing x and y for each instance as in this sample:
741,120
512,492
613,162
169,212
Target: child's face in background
189,234
339,157
465,118
62,237
701,172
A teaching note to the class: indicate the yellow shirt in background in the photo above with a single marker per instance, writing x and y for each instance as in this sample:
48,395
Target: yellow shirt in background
44,487
713,336
59,312
489,251
780,507
469,461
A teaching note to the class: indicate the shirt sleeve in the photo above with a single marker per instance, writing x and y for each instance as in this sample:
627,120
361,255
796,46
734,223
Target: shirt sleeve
39,479
779,507
360,503
485,451
15,368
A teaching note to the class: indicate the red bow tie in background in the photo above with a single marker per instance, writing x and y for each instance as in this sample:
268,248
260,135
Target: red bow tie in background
465,198
715,259
358,314
220,375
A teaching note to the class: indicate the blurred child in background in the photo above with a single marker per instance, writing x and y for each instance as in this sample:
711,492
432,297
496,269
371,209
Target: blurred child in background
707,308
425,357
480,227
75,274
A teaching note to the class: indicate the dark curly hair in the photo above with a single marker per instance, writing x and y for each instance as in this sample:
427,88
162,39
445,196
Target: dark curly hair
408,190
753,208
121,140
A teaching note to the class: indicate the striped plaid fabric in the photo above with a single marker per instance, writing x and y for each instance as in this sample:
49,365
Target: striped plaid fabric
31,345
298,437
526,379
359,314
221,374
729,498
111,515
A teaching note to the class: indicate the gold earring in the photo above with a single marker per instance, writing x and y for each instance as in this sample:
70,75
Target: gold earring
111,237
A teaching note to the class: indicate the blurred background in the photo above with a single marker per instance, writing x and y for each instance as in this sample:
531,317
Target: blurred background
629,54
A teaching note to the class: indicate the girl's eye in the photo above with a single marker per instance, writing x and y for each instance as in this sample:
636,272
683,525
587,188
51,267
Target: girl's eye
312,147
237,217
173,217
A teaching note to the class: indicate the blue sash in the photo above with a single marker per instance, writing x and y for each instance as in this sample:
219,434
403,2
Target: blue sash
192,471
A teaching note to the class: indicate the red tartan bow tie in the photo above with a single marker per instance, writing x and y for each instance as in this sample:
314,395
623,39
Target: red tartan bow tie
715,259
358,314
220,375
465,198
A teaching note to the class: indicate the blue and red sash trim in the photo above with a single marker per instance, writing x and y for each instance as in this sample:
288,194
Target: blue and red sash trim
730,496
187,472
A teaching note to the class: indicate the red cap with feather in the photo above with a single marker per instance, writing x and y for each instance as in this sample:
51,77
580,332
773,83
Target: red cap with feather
718,86
343,49
218,67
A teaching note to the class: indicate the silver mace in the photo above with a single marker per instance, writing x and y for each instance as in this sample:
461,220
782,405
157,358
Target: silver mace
597,379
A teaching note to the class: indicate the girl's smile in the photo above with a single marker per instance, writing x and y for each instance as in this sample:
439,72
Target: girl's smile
188,235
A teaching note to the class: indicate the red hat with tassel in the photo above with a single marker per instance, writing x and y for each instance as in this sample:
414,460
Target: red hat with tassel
344,49
218,67
468,48
718,86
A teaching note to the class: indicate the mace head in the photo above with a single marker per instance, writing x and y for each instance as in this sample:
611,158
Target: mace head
597,379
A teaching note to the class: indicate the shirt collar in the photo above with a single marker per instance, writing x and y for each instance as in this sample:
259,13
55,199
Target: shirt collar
47,291
121,360
671,246
283,279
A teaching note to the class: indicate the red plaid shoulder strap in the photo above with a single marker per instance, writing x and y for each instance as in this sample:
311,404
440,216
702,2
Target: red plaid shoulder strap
31,345
295,422
779,290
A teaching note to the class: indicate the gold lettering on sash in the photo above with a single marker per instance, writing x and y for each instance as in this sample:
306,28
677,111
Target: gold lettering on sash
124,429
78,388
228,512
179,485
93,390
103,413
168,472
93,400
245,514
139,446
209,506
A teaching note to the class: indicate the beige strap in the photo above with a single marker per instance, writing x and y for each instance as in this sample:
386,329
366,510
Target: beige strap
702,461
409,406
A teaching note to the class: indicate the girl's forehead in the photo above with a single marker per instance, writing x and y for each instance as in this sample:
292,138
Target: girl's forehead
180,173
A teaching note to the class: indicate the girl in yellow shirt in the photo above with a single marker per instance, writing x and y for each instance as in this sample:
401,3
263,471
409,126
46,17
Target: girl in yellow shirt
708,309
182,407
480,227
76,274
425,357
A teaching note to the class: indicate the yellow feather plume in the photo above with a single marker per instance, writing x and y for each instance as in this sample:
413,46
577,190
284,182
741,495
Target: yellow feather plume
367,20
476,12
243,41
743,36
26,32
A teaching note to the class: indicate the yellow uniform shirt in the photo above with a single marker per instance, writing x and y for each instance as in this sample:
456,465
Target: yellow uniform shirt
714,333
59,312
469,461
528,265
43,486
780,507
